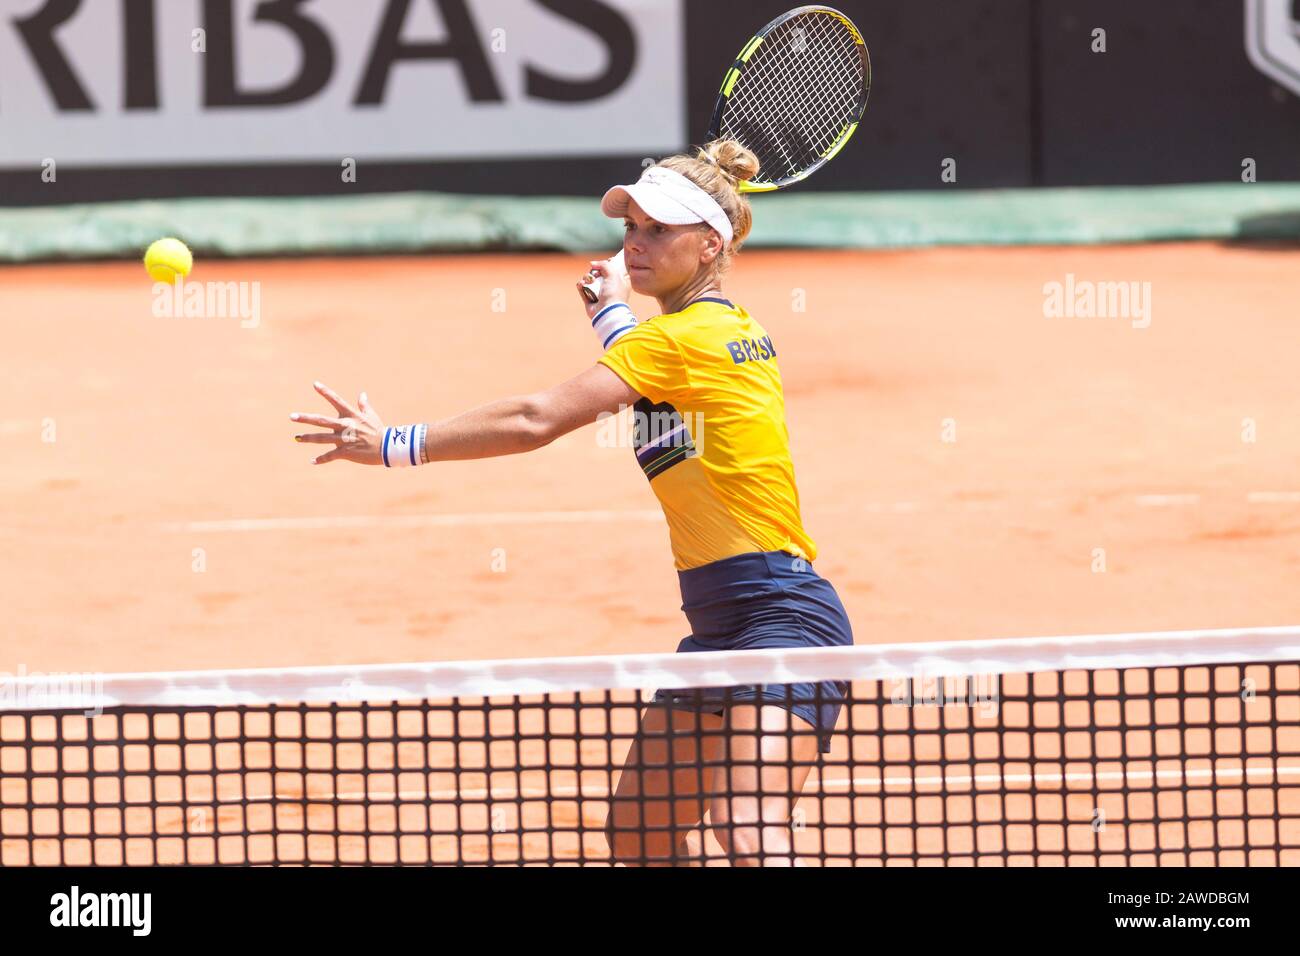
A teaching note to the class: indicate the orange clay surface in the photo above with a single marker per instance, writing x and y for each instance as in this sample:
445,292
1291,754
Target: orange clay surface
1071,435
967,466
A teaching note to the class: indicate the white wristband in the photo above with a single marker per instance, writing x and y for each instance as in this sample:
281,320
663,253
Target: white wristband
403,445
612,323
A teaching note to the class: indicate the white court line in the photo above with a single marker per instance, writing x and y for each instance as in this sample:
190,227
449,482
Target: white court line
466,519
474,519
1129,777
1167,501
895,507
1273,497
904,782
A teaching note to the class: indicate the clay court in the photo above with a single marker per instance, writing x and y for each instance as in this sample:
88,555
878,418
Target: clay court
1171,447
960,458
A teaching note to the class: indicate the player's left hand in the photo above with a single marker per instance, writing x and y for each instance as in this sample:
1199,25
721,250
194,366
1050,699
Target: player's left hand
357,436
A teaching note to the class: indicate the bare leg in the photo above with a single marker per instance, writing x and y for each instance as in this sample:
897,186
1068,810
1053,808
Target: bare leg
660,798
769,755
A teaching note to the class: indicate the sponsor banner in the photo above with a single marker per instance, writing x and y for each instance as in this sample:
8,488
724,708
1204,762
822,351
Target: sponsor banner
1137,92
180,82
1273,40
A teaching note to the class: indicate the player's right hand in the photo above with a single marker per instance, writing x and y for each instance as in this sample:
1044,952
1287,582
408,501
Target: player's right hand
615,286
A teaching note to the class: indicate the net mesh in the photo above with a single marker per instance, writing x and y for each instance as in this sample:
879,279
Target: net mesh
1156,750
804,84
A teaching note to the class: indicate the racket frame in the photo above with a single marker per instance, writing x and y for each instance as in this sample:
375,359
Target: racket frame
737,70
591,290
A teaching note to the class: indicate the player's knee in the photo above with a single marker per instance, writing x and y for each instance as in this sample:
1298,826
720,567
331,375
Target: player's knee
691,847
746,840
618,837
632,844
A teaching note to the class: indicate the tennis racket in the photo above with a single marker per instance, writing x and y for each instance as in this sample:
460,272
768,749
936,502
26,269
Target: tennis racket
794,96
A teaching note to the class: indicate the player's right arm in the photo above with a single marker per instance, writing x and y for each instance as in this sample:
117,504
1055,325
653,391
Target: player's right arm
610,315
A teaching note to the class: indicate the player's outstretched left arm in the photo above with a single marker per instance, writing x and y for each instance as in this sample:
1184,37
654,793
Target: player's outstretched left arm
506,427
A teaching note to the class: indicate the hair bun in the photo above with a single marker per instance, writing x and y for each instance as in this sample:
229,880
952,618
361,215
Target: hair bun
717,168
732,157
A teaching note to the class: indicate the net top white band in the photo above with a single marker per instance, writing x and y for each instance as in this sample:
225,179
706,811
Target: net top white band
668,197
559,675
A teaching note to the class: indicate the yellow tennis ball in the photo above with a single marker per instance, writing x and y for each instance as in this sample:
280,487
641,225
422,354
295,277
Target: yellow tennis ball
168,258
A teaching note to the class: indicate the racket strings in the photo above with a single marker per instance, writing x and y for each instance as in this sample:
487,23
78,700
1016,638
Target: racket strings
816,80
803,86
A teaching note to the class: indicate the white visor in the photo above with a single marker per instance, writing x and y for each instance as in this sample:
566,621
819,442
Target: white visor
670,198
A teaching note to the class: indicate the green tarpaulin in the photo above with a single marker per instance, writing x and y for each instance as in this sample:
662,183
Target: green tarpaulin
432,222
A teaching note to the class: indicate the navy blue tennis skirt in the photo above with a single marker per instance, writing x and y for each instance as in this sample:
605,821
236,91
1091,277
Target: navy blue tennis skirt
762,600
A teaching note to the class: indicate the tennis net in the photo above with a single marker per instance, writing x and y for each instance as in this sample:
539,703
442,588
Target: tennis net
1178,748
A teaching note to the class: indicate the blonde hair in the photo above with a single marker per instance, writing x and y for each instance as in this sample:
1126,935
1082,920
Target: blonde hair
718,168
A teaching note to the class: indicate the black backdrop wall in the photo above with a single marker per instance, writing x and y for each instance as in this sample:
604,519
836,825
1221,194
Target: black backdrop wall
1012,90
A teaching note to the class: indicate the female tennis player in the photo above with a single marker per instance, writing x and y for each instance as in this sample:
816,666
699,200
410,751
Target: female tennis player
732,762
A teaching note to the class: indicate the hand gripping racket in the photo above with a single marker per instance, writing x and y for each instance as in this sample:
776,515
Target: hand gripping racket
794,96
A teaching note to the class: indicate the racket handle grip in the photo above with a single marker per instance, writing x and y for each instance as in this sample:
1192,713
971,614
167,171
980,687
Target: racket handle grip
591,290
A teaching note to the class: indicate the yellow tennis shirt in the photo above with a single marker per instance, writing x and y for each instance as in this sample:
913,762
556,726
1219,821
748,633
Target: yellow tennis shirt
710,432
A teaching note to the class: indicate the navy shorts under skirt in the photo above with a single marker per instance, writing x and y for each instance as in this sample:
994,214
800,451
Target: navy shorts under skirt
762,600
